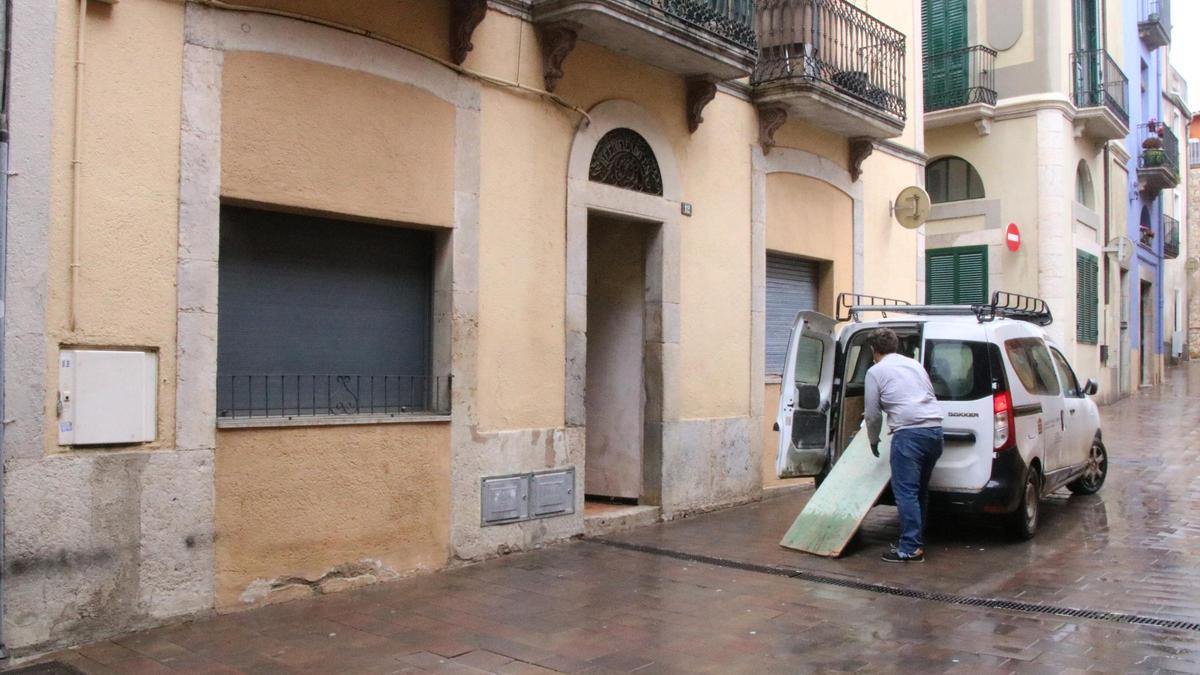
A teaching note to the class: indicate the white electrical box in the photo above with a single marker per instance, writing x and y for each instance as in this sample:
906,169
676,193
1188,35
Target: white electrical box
106,397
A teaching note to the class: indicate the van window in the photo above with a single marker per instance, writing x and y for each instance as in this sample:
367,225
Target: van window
1035,369
810,354
958,369
1070,384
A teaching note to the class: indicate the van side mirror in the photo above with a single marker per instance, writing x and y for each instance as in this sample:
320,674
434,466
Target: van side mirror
808,397
1090,388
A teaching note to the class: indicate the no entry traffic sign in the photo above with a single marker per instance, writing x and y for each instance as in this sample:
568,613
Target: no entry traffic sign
1012,237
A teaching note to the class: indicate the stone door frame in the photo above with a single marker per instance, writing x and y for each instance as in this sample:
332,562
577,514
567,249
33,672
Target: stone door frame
661,315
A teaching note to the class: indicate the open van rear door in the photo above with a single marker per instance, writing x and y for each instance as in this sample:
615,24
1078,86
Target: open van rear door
804,397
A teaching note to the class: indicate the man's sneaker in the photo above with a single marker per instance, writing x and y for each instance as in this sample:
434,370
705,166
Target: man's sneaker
898,557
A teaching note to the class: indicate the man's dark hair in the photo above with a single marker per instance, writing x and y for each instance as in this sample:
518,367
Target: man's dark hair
883,341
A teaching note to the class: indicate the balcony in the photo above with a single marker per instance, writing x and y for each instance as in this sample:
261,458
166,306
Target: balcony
831,64
1170,237
1154,22
709,39
960,86
1158,158
1101,93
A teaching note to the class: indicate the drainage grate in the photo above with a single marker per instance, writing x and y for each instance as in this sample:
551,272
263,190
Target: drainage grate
947,598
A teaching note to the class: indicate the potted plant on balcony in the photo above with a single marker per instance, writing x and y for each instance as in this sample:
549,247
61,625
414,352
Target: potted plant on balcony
1152,148
1147,235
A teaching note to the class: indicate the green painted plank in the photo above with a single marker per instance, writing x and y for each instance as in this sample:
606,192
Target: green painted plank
838,507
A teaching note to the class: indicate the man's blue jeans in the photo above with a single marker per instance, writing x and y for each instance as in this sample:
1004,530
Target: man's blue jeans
914,452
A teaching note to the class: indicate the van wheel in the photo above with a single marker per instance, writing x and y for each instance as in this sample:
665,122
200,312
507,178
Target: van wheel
1024,521
1095,472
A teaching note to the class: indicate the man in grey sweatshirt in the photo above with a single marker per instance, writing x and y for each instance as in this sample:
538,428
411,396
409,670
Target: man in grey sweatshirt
900,387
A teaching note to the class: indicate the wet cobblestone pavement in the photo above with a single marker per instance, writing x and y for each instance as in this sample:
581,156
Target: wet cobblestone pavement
598,607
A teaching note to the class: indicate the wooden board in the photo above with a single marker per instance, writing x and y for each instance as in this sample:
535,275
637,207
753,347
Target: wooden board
838,507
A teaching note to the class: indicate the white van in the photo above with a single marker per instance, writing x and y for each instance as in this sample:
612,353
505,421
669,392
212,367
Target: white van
1018,424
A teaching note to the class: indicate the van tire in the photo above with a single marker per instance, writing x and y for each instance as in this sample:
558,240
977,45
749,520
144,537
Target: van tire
1023,522
1093,476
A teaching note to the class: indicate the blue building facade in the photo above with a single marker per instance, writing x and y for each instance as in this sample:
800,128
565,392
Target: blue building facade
1153,167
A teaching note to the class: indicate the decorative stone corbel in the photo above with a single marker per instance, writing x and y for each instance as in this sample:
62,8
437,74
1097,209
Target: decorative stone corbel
465,16
860,149
700,92
558,39
770,118
983,126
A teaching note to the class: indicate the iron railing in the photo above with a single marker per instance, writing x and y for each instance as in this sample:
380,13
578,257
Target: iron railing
1170,228
960,77
1098,81
833,42
732,20
1154,15
1159,147
277,395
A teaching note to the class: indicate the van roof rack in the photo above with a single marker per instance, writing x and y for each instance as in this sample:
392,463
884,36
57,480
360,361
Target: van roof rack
853,303
1003,305
1015,306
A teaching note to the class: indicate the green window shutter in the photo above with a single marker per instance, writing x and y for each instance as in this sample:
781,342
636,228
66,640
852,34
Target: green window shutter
944,27
1087,297
956,276
939,278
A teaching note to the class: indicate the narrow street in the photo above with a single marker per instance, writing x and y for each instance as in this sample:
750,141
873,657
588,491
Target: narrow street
715,593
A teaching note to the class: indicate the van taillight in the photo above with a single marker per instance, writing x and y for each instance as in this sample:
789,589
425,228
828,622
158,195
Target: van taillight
1003,436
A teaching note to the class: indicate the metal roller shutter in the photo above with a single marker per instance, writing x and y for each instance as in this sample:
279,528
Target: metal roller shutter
791,288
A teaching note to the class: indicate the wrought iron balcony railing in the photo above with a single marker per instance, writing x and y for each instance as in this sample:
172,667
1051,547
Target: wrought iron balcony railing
833,42
732,20
1098,81
1159,148
1170,228
283,396
1154,22
960,77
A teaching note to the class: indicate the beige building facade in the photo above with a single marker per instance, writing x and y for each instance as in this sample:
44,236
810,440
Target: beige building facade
419,284
1030,112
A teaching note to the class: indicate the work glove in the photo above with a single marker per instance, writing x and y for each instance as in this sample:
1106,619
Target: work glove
875,449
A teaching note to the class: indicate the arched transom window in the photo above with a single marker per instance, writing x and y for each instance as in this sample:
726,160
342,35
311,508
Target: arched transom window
624,159
952,179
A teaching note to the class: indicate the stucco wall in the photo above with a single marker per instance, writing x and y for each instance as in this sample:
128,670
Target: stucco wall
97,541
892,258
523,151
128,539
423,24
314,136
130,175
308,510
315,503
1011,144
715,262
811,218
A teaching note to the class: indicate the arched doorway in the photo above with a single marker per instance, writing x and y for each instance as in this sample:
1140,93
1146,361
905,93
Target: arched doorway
622,302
